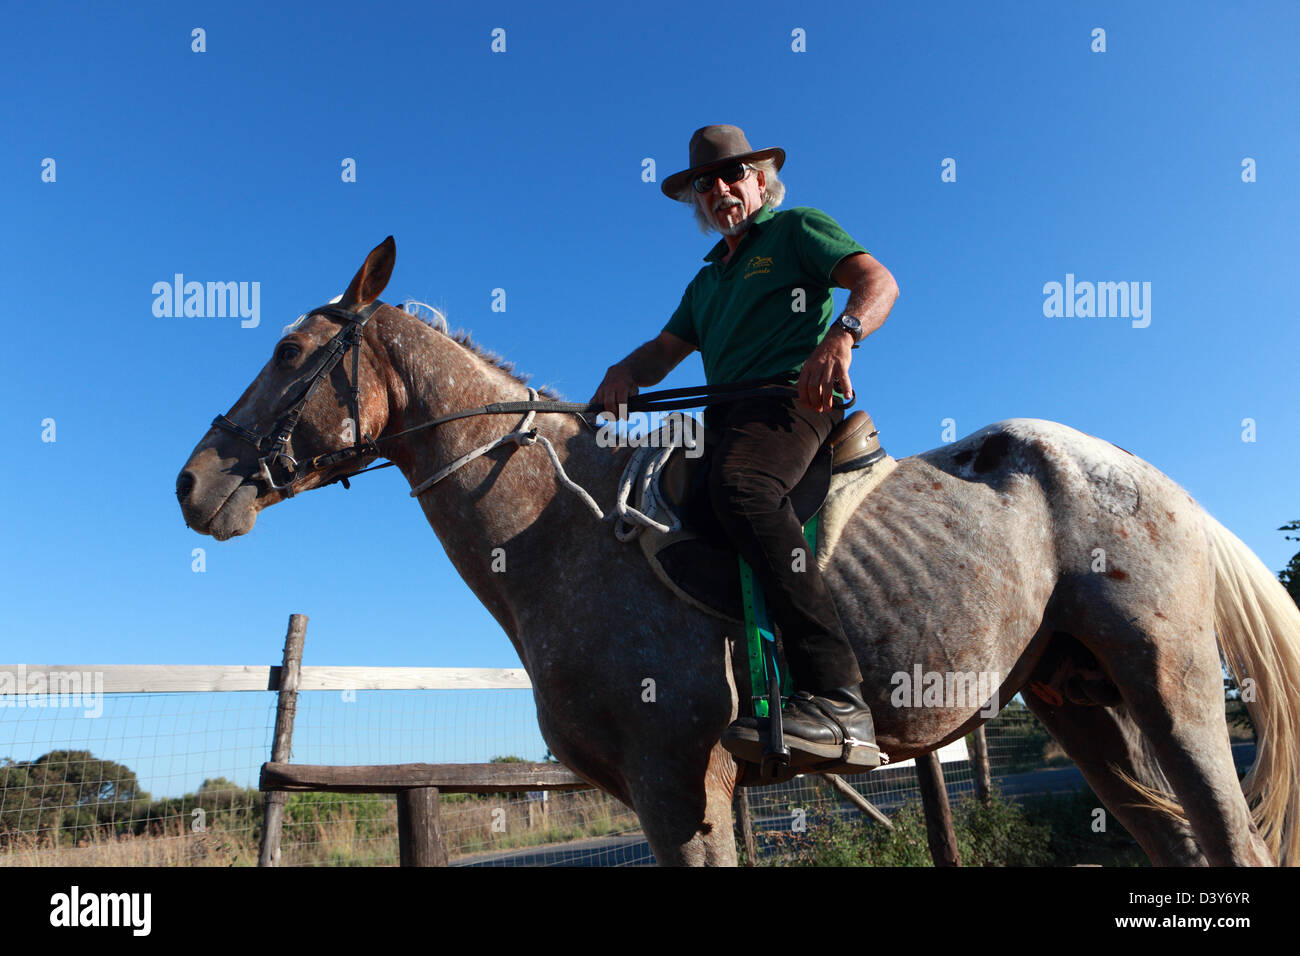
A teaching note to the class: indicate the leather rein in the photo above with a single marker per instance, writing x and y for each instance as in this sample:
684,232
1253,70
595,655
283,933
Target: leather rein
275,443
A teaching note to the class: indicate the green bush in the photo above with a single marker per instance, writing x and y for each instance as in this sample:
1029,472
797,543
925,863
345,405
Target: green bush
1070,819
371,812
1052,830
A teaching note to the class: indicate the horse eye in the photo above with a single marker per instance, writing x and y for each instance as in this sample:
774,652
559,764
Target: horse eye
287,352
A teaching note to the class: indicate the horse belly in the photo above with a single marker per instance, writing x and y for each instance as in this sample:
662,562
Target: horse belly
941,584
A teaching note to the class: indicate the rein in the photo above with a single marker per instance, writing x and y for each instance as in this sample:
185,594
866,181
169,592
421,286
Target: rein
275,444
668,399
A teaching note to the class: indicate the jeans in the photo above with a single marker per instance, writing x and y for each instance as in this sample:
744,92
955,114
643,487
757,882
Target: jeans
765,446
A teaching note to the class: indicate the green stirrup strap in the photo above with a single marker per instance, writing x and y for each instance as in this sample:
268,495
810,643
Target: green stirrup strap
758,627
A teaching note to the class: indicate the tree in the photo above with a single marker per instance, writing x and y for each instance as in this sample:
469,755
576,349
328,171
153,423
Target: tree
66,790
1290,575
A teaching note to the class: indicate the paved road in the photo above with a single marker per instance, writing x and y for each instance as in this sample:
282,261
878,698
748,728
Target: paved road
631,849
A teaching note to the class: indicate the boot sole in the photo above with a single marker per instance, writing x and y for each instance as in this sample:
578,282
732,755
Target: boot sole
747,744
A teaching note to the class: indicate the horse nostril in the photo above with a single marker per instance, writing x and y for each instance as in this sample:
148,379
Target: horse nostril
184,485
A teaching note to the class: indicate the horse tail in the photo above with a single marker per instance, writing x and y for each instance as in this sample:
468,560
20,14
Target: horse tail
1258,626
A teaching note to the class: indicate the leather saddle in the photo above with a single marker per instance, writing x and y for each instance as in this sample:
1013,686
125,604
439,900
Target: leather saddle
694,557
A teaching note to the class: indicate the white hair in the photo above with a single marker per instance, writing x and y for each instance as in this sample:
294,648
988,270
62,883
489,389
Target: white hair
437,318
773,194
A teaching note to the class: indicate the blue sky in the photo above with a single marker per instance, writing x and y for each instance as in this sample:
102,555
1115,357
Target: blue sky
522,170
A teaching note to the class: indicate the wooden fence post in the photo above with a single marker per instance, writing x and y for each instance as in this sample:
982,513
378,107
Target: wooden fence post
979,763
844,790
740,802
419,828
938,814
287,707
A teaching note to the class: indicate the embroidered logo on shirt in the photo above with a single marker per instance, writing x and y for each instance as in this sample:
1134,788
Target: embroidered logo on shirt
758,265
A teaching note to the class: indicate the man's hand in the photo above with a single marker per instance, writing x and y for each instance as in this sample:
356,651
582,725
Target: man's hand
616,388
646,366
828,364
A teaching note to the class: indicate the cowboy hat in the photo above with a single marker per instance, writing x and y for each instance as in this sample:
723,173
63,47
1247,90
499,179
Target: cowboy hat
713,147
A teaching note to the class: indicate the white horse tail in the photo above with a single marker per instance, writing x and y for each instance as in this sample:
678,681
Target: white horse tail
1258,626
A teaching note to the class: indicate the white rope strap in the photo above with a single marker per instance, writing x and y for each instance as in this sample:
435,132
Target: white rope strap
525,434
641,469
565,480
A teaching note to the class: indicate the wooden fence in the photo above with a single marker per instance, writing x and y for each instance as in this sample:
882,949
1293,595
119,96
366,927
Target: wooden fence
417,786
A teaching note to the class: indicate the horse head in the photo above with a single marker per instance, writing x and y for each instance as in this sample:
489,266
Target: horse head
309,417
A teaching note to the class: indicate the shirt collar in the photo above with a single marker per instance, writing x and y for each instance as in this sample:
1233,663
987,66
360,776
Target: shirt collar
720,250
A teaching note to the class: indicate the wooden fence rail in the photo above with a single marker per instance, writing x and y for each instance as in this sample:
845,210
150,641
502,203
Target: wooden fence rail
394,778
185,678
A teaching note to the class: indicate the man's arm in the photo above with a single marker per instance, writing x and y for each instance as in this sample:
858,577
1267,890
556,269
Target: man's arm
647,365
872,294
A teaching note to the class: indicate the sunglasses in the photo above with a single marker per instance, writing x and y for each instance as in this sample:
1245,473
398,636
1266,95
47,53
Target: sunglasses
728,174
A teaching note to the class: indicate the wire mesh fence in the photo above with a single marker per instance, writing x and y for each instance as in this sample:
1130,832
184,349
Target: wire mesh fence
169,779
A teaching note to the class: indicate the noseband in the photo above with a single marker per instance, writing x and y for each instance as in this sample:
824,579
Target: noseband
275,444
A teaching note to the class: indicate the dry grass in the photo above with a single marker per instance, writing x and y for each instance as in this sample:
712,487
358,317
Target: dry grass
343,835
183,847
475,826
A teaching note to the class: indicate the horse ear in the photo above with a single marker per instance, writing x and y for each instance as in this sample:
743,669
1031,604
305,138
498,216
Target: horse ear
373,275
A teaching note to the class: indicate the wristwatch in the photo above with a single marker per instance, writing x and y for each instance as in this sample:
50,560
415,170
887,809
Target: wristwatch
850,324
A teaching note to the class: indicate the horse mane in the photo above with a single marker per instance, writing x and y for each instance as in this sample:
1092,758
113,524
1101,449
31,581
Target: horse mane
462,337
438,322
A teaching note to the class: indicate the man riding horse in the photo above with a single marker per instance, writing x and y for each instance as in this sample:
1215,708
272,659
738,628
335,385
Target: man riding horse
761,308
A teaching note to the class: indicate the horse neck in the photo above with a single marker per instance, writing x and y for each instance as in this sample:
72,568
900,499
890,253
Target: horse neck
505,510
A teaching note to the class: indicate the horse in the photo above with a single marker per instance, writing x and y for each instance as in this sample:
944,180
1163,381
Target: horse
1062,565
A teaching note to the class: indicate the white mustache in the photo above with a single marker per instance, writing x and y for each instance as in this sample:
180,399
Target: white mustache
727,203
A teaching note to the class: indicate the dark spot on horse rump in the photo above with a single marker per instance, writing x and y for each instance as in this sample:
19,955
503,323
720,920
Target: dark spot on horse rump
962,457
1161,616
1170,515
1152,531
1123,532
1117,574
937,487
992,452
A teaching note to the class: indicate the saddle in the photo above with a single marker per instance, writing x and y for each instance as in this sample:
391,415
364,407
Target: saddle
693,556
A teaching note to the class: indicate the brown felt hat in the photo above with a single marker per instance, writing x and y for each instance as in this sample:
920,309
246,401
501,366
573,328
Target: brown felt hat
713,147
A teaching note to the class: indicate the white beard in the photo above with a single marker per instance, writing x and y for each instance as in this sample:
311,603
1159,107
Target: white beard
740,227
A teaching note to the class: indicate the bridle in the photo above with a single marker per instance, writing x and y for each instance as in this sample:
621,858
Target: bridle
274,444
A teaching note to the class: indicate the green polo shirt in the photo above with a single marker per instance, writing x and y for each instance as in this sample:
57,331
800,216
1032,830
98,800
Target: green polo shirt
744,315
